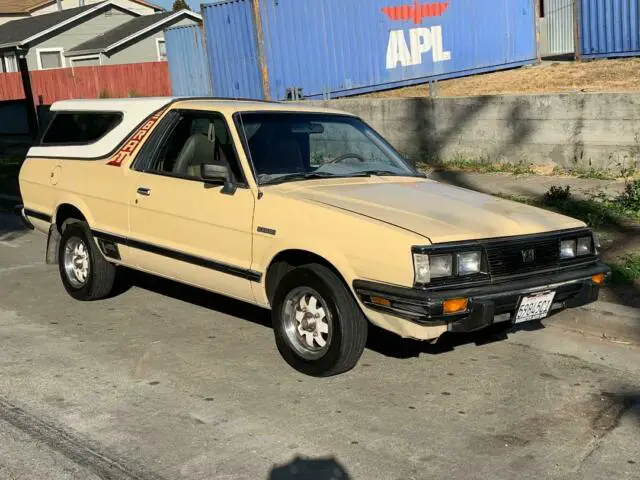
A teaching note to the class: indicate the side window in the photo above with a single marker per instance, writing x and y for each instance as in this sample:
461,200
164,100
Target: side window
80,128
196,139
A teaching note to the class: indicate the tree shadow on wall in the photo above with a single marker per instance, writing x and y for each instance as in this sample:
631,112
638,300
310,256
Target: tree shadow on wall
432,140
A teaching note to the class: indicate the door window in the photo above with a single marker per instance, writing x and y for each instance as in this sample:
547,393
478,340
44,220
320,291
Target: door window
194,140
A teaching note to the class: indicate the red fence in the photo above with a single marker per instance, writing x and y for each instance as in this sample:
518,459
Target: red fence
116,81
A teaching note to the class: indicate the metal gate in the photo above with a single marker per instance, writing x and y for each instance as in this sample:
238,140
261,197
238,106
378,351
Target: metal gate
556,27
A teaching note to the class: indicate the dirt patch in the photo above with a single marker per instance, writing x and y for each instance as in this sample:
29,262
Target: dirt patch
621,75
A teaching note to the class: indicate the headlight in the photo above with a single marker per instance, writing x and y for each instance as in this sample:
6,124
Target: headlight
585,246
427,267
469,263
421,268
441,265
567,248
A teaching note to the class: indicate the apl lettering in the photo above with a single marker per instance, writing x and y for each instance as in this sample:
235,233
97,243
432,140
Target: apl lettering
421,40
403,53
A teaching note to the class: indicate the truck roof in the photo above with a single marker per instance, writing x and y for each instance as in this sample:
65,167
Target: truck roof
151,104
134,111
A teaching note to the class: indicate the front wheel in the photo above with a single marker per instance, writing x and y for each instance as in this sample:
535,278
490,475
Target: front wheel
319,328
85,273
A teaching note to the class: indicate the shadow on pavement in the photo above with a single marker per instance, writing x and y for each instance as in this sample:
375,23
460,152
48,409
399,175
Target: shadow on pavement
380,340
130,278
310,469
391,345
614,407
11,226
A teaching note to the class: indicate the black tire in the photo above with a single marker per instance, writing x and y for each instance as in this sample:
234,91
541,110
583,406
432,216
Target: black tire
101,275
349,326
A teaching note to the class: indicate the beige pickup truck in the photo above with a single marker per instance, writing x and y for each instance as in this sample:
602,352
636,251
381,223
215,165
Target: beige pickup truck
305,211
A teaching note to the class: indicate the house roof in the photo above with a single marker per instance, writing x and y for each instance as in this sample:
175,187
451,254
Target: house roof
22,6
126,32
28,6
26,30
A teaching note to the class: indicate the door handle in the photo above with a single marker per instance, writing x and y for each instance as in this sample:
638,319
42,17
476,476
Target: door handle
144,191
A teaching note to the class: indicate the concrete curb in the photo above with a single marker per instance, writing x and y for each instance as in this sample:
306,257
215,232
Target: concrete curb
606,320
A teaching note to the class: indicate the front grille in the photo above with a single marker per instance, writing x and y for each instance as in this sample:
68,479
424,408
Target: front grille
507,257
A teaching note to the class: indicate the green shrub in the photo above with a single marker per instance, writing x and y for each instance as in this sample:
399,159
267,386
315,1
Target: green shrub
626,269
630,199
557,194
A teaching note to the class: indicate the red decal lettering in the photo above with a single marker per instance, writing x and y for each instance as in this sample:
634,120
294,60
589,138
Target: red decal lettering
125,152
117,159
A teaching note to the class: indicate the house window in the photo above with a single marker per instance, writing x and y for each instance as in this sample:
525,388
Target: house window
50,58
542,12
162,49
85,61
8,63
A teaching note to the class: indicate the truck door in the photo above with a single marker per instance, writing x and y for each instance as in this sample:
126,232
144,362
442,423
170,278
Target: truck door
182,227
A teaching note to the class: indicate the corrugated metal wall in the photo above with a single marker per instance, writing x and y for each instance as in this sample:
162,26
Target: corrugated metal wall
609,28
331,48
345,47
188,66
557,35
231,48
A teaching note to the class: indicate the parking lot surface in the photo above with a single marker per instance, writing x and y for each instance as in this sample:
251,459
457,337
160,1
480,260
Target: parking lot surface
168,382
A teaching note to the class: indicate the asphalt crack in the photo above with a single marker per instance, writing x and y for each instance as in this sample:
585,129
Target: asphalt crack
81,451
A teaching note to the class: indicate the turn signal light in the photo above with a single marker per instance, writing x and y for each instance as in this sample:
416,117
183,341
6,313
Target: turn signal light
383,302
598,279
455,305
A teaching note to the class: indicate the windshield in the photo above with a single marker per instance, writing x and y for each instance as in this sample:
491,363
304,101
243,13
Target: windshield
295,146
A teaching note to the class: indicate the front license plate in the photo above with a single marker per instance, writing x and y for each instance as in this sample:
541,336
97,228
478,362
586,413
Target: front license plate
535,307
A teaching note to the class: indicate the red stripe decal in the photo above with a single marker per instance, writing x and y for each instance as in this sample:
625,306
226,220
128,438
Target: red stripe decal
134,140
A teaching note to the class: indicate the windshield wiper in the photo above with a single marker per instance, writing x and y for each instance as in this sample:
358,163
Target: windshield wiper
378,173
383,173
292,177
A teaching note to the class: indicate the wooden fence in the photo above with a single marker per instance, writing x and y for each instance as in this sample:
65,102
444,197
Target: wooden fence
113,81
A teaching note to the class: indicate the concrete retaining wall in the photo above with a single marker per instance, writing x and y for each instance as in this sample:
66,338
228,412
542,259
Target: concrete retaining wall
575,131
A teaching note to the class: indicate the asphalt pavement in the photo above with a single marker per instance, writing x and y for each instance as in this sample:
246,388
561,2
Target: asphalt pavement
168,382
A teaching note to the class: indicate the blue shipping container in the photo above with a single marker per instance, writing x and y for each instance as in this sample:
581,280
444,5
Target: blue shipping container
188,67
609,28
265,48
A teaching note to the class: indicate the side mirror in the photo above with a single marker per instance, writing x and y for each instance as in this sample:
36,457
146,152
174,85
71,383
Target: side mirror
214,172
218,173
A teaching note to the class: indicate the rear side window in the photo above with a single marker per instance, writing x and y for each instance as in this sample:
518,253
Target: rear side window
80,128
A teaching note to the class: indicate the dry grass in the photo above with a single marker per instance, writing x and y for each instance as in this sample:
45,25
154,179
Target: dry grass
589,76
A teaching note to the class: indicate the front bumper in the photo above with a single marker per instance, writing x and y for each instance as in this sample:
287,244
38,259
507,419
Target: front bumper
488,304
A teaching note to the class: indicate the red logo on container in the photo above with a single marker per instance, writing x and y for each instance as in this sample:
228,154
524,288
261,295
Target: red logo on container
416,12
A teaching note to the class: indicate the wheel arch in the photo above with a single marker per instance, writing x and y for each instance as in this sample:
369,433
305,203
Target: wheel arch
66,211
286,260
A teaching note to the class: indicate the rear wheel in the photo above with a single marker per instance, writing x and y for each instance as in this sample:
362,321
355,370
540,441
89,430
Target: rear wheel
319,328
85,274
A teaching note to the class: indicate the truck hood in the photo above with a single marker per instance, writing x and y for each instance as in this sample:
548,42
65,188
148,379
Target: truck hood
439,212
